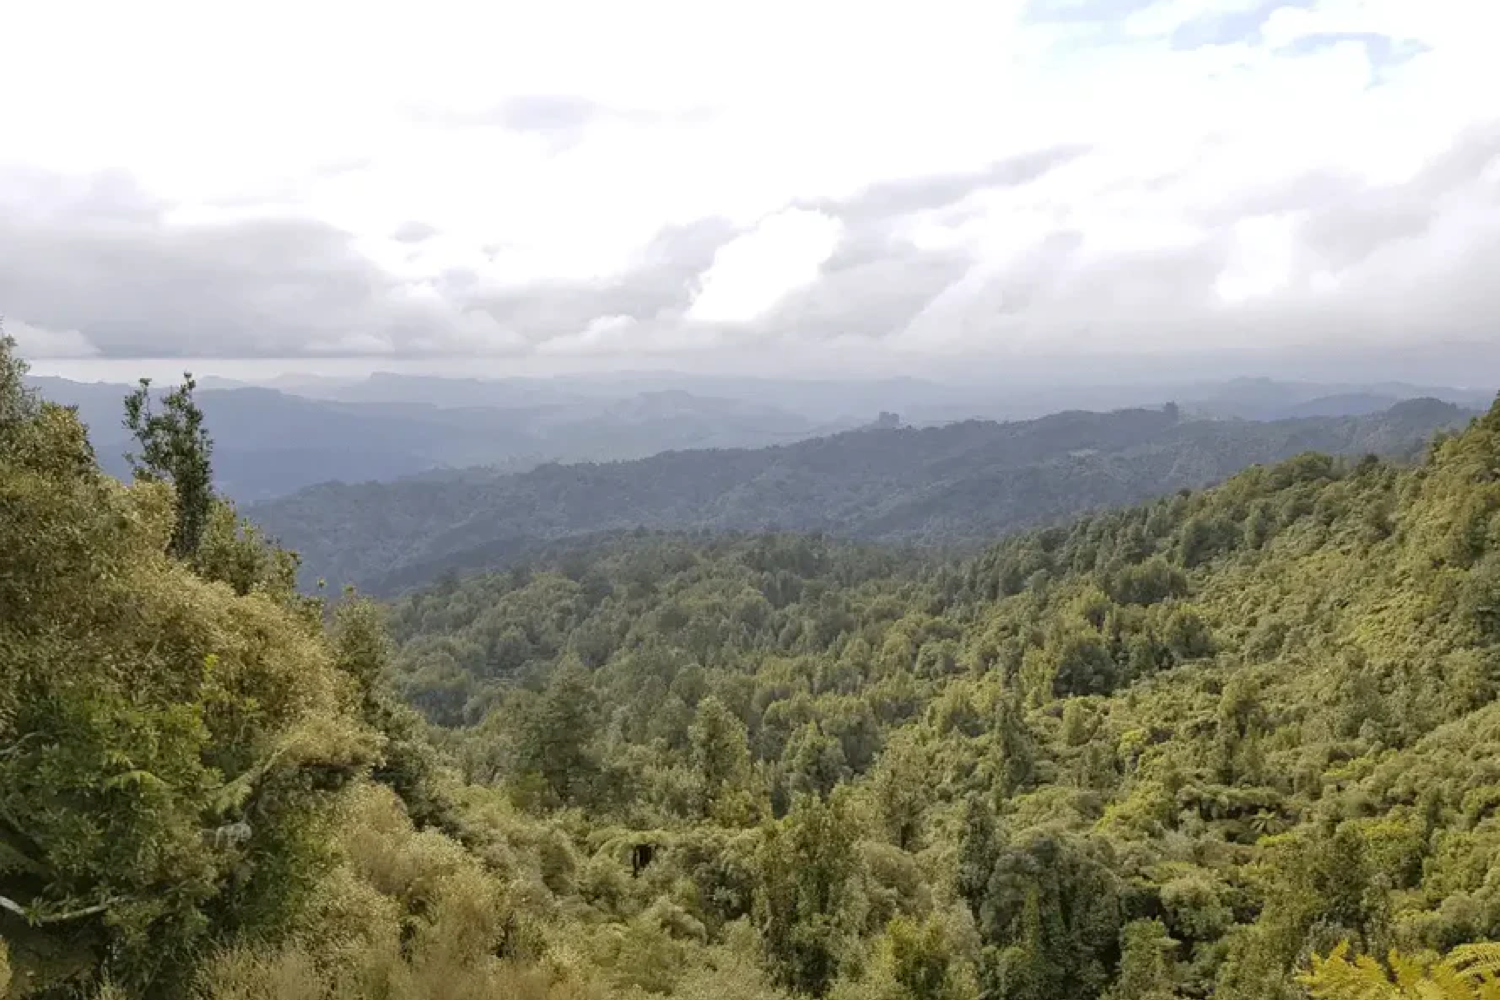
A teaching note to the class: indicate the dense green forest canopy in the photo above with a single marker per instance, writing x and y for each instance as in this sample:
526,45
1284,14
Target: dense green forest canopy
1178,750
1175,750
961,483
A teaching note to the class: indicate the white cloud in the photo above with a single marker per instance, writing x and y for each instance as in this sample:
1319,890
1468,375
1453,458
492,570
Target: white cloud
605,334
753,272
358,344
36,342
1261,261
547,147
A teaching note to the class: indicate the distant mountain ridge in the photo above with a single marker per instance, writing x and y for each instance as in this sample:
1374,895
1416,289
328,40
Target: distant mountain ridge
297,430
919,401
963,482
271,442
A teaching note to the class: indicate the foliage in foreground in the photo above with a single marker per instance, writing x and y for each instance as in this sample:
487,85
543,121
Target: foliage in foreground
1469,972
205,790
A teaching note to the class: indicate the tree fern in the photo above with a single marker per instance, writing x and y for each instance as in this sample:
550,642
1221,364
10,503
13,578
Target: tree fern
1470,972
1479,960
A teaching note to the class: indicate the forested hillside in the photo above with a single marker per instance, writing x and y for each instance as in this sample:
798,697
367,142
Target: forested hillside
1176,750
962,483
1217,745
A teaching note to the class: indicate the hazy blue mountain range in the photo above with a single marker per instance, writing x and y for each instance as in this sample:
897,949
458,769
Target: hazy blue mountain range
919,401
297,430
270,442
958,483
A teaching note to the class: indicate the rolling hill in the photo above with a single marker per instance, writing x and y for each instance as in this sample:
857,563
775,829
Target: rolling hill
959,483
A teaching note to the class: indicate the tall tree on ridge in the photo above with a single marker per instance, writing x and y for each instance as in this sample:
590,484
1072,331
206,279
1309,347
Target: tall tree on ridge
176,449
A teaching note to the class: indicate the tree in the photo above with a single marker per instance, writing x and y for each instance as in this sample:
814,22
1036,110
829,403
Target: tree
408,764
1023,969
919,960
978,850
1051,913
1145,962
807,866
170,750
175,448
901,789
721,755
814,761
557,739
17,403
1240,722
1014,740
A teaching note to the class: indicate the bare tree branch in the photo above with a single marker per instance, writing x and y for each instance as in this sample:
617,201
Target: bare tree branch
56,918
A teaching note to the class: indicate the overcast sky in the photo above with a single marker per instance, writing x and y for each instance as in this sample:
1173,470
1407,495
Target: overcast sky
652,183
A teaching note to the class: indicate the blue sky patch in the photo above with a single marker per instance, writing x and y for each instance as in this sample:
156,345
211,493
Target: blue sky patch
1386,53
1230,27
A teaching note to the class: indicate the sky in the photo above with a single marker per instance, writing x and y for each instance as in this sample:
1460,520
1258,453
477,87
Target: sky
785,186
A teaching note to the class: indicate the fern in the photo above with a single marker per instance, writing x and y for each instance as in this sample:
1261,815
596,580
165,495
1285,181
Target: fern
1482,959
1338,978
1470,972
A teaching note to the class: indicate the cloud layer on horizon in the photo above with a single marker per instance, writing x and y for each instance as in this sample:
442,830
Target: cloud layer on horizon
577,180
